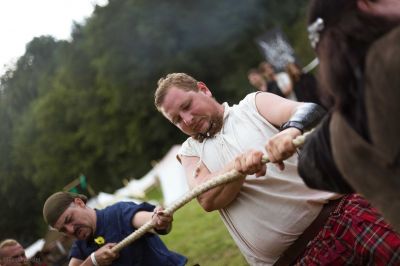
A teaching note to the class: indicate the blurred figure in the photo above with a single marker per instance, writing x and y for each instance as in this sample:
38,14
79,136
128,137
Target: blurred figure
357,147
257,80
279,81
12,253
303,84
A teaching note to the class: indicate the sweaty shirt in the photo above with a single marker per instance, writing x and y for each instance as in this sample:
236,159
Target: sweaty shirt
271,211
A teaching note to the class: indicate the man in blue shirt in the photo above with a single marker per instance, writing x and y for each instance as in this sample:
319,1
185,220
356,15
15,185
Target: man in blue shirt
97,231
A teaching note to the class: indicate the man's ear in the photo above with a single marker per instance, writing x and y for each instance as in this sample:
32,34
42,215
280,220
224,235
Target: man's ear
79,202
203,88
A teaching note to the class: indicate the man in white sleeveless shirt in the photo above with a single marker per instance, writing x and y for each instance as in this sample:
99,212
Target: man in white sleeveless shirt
267,210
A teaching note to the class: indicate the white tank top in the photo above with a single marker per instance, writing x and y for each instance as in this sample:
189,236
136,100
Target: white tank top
272,211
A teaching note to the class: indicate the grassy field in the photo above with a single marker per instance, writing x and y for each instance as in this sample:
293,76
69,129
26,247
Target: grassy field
200,236
203,238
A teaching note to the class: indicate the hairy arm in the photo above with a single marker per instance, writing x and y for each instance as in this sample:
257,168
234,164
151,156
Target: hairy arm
77,262
103,256
162,222
221,196
277,111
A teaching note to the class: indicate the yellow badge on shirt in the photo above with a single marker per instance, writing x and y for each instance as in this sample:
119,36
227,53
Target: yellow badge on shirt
100,240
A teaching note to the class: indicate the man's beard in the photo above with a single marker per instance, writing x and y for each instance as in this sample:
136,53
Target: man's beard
215,126
89,236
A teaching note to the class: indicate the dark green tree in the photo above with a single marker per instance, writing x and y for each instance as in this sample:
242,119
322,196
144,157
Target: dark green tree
86,105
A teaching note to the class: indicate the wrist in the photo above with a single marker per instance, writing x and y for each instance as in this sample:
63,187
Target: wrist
163,231
93,259
293,124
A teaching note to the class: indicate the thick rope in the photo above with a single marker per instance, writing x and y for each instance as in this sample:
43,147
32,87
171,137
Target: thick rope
200,189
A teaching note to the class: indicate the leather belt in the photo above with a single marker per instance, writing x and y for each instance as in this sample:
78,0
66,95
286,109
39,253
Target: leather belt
297,248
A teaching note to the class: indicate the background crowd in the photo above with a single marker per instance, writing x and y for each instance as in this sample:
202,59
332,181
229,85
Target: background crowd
292,82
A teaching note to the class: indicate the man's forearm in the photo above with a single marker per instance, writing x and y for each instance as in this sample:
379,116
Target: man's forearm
218,197
221,196
76,262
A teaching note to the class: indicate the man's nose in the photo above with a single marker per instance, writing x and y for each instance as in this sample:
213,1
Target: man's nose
187,118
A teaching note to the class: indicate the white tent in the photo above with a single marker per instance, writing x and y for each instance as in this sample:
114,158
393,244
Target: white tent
172,176
169,172
136,188
103,200
34,248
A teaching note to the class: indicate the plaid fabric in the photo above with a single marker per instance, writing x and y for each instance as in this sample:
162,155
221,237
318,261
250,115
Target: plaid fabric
354,234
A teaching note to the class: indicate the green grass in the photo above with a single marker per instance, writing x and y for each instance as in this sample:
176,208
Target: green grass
154,193
203,238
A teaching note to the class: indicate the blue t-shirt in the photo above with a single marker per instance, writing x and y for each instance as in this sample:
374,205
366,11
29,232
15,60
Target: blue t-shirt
114,223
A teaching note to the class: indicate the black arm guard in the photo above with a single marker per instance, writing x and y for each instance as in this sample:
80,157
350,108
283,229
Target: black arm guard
306,117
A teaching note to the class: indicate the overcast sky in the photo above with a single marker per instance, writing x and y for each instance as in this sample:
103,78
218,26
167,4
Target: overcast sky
22,20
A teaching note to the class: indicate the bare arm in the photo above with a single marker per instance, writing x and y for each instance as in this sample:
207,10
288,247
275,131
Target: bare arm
277,111
221,196
294,116
162,222
76,262
104,256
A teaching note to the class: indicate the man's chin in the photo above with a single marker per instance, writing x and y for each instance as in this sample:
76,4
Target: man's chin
84,236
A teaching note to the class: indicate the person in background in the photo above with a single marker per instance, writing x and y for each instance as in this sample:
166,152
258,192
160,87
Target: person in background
303,84
257,80
357,147
97,231
12,254
280,80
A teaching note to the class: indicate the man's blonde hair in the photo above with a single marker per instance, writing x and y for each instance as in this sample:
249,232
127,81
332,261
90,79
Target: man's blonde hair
181,80
7,243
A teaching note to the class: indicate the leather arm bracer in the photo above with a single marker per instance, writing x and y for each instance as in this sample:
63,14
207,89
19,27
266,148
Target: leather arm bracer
307,116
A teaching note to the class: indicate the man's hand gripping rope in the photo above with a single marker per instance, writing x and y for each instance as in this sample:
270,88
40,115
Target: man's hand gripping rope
219,180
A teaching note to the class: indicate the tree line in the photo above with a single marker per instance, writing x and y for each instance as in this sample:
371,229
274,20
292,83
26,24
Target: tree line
86,105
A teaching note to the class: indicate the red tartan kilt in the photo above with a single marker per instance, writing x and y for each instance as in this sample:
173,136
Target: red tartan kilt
354,234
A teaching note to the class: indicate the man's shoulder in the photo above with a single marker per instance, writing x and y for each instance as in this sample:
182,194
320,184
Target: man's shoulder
116,207
123,204
189,147
251,96
119,215
249,99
